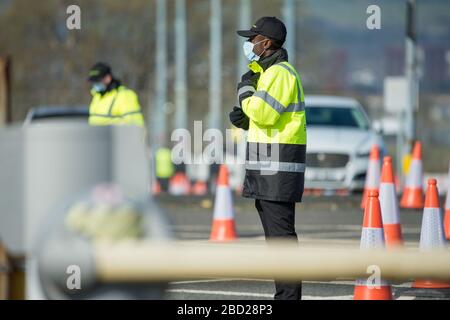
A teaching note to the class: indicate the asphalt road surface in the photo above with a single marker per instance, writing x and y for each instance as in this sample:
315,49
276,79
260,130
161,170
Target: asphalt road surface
320,221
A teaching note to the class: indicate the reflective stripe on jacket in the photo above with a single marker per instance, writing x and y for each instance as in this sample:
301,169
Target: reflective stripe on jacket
277,134
119,106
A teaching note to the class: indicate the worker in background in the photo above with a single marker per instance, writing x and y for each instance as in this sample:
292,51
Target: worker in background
165,168
112,103
272,109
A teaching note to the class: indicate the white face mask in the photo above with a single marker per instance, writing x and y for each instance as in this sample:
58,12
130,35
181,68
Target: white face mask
248,51
99,87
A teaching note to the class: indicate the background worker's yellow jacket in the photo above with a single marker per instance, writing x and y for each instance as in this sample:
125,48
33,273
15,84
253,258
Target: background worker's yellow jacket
165,168
118,106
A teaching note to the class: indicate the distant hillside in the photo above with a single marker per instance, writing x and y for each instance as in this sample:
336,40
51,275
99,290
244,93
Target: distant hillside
335,51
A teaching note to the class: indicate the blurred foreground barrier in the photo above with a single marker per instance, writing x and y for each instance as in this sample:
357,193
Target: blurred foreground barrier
146,262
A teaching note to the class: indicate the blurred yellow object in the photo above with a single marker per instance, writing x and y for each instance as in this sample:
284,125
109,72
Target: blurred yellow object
164,167
123,223
406,163
206,204
99,216
77,217
104,222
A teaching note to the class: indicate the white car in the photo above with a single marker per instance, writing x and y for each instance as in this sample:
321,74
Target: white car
340,137
41,115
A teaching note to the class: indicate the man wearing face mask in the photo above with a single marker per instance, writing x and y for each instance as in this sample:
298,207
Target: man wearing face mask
272,109
112,103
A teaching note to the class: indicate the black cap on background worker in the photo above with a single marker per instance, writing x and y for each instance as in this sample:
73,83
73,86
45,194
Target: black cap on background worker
100,77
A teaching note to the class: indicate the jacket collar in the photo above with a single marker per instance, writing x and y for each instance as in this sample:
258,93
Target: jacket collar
278,56
115,84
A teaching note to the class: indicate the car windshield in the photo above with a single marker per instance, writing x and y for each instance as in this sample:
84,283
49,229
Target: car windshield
336,117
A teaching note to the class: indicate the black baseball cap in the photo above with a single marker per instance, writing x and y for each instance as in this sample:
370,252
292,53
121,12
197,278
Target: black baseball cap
270,27
99,71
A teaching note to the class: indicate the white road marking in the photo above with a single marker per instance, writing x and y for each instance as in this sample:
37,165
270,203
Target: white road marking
349,297
254,295
323,228
222,293
204,281
352,283
330,234
305,242
347,283
406,298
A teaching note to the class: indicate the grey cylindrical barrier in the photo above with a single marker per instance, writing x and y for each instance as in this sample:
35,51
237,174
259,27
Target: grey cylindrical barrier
60,162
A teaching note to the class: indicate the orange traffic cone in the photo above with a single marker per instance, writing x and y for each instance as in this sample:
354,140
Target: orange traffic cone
223,228
239,190
398,188
200,188
372,238
373,174
432,234
447,209
179,185
156,188
389,206
413,193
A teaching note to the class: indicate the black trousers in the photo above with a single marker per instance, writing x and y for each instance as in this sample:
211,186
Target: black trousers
164,183
278,220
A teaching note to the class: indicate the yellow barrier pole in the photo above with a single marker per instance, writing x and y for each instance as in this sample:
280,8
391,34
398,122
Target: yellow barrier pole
140,262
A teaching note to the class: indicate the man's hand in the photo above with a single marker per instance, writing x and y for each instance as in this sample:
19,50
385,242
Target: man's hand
251,76
247,87
239,119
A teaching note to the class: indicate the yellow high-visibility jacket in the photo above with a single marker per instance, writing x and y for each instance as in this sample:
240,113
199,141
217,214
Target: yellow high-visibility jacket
164,166
119,106
277,135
